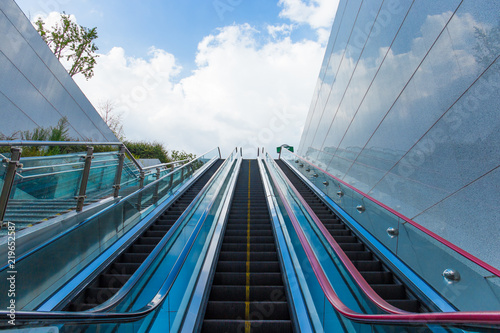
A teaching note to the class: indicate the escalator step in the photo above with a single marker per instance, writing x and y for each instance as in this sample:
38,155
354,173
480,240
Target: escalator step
357,255
256,326
256,279
242,247
345,239
149,240
410,305
378,277
229,310
150,233
134,257
238,293
113,280
142,248
390,291
367,265
124,268
253,239
240,266
252,232
253,226
352,246
254,256
99,295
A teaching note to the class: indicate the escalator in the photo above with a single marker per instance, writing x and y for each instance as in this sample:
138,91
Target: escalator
378,276
112,278
247,293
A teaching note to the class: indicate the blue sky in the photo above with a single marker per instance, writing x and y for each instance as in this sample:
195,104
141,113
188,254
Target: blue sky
203,66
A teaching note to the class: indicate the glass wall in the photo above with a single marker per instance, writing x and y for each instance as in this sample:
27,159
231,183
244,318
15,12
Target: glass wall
35,89
406,110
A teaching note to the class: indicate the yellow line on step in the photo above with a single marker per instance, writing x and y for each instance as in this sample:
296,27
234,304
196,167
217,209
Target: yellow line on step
247,300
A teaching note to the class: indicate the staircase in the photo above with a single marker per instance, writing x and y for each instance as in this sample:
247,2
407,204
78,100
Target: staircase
380,278
247,292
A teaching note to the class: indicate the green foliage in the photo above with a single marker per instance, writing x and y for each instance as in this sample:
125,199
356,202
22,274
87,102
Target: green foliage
177,155
73,42
142,149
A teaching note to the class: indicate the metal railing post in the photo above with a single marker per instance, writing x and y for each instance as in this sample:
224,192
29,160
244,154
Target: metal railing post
241,152
118,177
85,179
10,175
157,186
142,176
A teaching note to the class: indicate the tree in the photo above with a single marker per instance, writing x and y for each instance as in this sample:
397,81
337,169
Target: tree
143,149
73,42
177,155
107,112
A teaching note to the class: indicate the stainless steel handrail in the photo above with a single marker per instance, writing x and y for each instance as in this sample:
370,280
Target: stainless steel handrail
164,164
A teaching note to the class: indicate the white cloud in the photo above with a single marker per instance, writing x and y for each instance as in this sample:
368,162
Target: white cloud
242,93
316,13
277,31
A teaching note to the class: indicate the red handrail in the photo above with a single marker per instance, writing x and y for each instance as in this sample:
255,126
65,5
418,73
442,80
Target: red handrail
440,239
399,317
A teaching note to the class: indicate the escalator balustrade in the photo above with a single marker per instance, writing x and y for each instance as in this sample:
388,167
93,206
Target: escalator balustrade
380,278
111,279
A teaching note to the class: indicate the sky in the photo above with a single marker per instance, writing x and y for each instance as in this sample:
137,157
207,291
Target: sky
198,74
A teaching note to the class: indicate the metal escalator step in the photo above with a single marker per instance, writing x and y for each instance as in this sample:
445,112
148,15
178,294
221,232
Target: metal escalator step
253,232
133,257
233,310
238,293
161,227
243,247
256,266
142,248
256,326
253,220
352,247
378,277
113,280
243,239
358,255
410,305
242,256
151,233
76,307
149,240
367,265
335,226
124,268
390,291
345,239
99,295
253,226
340,232
256,279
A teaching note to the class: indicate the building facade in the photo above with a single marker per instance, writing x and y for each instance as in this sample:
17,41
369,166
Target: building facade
35,89
406,109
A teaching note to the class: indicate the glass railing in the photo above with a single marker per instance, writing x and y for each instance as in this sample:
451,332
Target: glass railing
46,268
333,296
156,297
463,280
46,186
